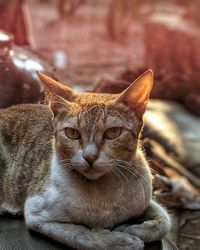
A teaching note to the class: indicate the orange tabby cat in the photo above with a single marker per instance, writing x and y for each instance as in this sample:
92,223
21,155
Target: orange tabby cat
76,169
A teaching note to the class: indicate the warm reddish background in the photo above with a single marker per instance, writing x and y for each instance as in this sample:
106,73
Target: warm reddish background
164,38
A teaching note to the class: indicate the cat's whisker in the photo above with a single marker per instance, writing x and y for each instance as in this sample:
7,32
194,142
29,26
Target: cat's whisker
67,165
128,182
127,165
115,171
69,169
137,172
153,171
125,177
131,172
65,160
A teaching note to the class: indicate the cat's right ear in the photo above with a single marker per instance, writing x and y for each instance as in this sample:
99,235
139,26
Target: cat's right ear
57,104
136,96
56,88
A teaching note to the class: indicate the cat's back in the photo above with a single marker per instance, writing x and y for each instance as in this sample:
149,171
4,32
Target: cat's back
25,112
23,123
18,120
25,149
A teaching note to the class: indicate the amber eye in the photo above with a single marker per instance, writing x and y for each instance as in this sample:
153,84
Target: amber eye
72,133
113,133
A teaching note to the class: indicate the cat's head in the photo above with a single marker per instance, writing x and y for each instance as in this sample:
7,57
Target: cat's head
95,133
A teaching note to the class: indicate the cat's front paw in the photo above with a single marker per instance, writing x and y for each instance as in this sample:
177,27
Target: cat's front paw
121,241
148,231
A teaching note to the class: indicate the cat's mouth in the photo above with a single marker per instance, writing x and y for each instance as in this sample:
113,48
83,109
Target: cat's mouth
91,173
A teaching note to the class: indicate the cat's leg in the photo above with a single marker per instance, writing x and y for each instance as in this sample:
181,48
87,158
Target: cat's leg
76,236
7,209
156,225
80,237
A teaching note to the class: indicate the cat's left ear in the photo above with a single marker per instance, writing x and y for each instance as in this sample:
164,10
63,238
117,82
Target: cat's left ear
136,96
56,88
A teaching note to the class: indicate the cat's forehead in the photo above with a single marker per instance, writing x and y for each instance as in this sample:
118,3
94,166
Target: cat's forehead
94,98
94,106
97,109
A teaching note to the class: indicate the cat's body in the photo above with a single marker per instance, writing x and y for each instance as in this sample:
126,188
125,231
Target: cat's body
25,152
78,174
28,131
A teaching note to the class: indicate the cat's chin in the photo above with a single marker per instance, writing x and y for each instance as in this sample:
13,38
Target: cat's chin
91,174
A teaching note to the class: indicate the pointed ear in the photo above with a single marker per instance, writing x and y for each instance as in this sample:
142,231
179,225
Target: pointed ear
136,96
56,88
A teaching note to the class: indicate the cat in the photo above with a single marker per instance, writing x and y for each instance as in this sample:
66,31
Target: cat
76,170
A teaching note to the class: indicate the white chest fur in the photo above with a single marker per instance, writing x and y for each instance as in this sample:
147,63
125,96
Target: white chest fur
102,205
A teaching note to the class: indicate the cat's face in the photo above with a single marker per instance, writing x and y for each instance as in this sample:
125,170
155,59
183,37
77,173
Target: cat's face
96,137
96,133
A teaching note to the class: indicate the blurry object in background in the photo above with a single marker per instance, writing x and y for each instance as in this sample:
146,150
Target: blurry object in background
176,192
18,80
111,86
171,44
123,13
67,8
179,128
120,17
129,75
172,142
122,81
191,9
13,20
60,59
91,53
170,86
173,51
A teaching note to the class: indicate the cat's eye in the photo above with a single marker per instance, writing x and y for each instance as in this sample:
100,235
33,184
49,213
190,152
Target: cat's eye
72,133
112,133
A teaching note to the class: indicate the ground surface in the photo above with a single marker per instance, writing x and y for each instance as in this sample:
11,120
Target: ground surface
84,40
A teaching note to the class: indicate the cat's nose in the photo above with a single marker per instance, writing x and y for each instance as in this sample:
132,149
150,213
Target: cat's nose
89,160
90,154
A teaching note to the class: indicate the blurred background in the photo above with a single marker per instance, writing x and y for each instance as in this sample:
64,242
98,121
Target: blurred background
103,46
90,41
